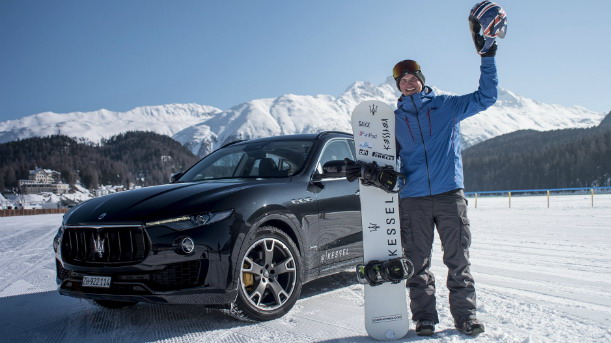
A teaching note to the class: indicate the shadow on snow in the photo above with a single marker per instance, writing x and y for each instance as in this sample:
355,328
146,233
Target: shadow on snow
50,317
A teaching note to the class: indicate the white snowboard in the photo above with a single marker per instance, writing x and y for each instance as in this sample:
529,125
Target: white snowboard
386,316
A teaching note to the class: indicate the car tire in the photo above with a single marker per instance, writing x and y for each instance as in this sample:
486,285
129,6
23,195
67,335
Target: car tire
113,304
270,276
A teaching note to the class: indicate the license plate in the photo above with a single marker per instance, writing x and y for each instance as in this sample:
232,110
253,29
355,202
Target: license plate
96,281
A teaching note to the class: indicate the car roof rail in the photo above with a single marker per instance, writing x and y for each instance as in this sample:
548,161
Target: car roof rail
330,132
232,143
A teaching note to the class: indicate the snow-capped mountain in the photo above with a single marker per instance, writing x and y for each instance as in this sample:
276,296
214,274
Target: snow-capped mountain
512,112
290,114
287,114
203,128
163,119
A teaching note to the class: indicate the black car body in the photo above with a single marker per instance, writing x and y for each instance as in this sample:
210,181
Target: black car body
245,227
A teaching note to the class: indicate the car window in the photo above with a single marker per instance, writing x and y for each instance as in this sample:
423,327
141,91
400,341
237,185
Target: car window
273,166
222,167
335,150
257,159
352,148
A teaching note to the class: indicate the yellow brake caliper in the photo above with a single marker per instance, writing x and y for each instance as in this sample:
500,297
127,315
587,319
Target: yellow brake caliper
247,278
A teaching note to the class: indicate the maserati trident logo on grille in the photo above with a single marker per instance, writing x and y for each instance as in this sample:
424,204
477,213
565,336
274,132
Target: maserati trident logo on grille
102,216
98,246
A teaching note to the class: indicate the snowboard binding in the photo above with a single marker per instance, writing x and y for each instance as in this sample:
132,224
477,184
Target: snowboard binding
376,273
371,174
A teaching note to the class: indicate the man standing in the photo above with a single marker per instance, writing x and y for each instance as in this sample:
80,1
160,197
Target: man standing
427,128
428,141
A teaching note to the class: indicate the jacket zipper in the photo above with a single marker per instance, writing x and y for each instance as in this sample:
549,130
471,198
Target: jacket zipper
426,156
409,127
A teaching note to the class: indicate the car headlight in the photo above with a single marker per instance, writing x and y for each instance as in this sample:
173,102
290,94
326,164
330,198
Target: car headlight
189,222
58,238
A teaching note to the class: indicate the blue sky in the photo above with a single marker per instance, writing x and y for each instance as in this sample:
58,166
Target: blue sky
84,55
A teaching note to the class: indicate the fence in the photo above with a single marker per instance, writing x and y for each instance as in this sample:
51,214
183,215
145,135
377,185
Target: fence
590,190
21,212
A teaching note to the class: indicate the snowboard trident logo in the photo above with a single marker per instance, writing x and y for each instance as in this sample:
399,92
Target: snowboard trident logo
373,109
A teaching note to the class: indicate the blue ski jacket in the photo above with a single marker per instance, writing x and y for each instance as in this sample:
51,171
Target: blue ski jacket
428,134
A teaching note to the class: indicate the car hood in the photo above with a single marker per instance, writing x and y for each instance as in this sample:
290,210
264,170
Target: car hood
157,202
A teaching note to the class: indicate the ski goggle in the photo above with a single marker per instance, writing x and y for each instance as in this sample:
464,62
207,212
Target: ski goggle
405,67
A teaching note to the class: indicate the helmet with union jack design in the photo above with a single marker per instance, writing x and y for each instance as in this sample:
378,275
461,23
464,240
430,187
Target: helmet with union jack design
492,22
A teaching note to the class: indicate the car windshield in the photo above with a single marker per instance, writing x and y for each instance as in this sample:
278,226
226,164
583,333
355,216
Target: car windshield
262,159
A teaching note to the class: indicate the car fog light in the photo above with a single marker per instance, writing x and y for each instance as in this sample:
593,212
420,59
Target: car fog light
187,245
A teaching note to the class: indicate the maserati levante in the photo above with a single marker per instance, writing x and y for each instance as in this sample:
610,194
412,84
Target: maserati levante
243,229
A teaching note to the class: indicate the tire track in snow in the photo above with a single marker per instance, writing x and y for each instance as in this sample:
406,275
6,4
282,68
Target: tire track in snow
28,259
510,317
546,314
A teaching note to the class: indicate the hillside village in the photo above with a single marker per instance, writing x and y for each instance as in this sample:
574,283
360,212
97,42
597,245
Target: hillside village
44,190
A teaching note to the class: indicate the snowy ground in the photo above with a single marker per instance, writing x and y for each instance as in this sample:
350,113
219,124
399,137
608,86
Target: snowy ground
543,275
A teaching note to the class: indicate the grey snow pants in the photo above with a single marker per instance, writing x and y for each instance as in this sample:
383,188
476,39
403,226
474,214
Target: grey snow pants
419,216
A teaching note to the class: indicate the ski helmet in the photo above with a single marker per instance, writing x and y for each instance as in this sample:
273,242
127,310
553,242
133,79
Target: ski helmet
407,67
493,22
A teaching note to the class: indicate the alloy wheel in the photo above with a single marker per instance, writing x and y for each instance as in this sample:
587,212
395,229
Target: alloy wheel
268,274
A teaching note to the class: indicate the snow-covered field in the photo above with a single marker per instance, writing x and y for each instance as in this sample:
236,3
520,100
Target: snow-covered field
543,275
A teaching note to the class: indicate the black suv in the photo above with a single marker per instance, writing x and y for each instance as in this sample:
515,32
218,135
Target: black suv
242,229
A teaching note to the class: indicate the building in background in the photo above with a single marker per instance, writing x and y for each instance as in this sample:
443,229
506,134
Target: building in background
43,180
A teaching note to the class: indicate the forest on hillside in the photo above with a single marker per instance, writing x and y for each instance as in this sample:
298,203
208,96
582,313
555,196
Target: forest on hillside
531,159
139,158
525,159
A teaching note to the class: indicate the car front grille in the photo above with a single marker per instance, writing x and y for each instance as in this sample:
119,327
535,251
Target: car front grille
177,275
104,245
174,276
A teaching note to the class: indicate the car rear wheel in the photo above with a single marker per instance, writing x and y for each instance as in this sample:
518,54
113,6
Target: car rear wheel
270,276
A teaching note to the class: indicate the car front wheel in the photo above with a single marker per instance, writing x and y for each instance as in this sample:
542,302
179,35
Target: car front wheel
270,276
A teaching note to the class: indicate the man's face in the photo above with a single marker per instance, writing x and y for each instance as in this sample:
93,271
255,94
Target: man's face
410,84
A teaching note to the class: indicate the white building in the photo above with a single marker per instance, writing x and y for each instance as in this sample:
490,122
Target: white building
105,190
45,200
45,175
43,180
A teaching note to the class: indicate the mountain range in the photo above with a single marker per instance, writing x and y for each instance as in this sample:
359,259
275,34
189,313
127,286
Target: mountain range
203,129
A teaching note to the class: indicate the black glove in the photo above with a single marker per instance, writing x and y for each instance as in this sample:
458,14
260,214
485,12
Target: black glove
353,170
358,169
478,39
371,174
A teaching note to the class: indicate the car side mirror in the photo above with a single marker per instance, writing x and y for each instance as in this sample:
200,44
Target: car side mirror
174,177
336,168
